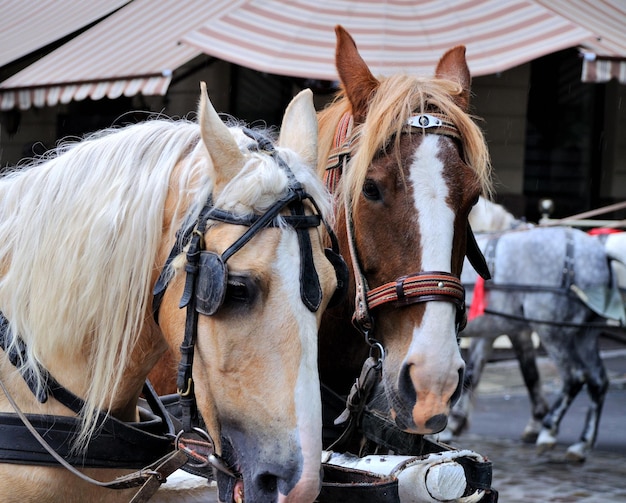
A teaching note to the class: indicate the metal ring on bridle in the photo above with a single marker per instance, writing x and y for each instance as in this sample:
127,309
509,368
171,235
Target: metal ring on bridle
189,452
375,345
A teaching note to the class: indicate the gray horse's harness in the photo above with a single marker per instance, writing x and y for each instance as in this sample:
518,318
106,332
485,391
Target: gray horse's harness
567,286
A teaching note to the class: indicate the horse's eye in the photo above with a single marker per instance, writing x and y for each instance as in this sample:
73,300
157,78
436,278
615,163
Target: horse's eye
238,291
370,190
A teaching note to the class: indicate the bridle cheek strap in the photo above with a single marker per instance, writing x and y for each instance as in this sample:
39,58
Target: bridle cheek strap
420,287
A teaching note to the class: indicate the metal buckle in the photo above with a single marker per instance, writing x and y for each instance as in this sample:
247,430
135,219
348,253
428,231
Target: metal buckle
424,121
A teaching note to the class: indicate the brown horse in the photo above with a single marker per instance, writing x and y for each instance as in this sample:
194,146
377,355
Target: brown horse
406,163
84,236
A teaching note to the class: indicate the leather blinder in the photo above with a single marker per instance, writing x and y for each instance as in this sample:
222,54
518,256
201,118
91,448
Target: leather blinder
211,285
475,255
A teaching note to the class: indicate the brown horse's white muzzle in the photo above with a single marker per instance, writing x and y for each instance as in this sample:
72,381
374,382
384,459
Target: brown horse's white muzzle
421,408
429,382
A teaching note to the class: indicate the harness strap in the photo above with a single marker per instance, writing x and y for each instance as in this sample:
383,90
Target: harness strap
46,439
17,357
475,255
116,444
357,399
184,382
361,317
341,152
158,470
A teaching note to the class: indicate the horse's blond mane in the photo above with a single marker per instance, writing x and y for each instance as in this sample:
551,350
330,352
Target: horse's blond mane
78,240
396,99
79,235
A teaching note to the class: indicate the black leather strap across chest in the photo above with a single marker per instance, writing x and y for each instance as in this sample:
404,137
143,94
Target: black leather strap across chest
116,444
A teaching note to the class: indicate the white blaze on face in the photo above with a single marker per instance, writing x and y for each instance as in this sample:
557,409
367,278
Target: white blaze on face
436,227
435,218
307,388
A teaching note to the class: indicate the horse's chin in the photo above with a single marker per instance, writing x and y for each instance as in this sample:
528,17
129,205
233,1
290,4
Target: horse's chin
230,490
404,415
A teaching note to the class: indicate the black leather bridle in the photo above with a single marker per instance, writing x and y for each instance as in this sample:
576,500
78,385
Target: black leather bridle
207,274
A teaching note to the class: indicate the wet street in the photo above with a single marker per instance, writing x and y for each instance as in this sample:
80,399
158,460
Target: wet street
519,474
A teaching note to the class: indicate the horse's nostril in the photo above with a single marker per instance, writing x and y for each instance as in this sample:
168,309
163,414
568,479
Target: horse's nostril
267,483
459,389
406,389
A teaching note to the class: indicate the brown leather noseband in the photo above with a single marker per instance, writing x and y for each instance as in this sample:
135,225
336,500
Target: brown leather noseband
420,287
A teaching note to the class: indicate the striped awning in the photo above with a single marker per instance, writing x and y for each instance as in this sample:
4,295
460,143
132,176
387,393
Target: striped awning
50,95
598,69
29,25
605,19
296,37
604,55
133,51
137,48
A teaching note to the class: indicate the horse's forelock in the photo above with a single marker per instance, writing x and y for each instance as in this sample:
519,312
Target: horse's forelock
262,181
398,97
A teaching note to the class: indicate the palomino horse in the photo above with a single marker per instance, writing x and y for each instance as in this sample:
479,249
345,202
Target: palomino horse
84,236
536,272
406,163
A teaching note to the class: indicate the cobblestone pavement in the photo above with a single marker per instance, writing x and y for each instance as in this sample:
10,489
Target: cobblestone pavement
519,473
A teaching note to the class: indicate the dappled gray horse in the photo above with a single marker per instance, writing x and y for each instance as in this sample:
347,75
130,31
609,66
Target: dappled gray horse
554,281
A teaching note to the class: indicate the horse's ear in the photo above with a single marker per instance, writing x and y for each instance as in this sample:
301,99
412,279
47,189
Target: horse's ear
298,131
356,78
219,142
453,66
